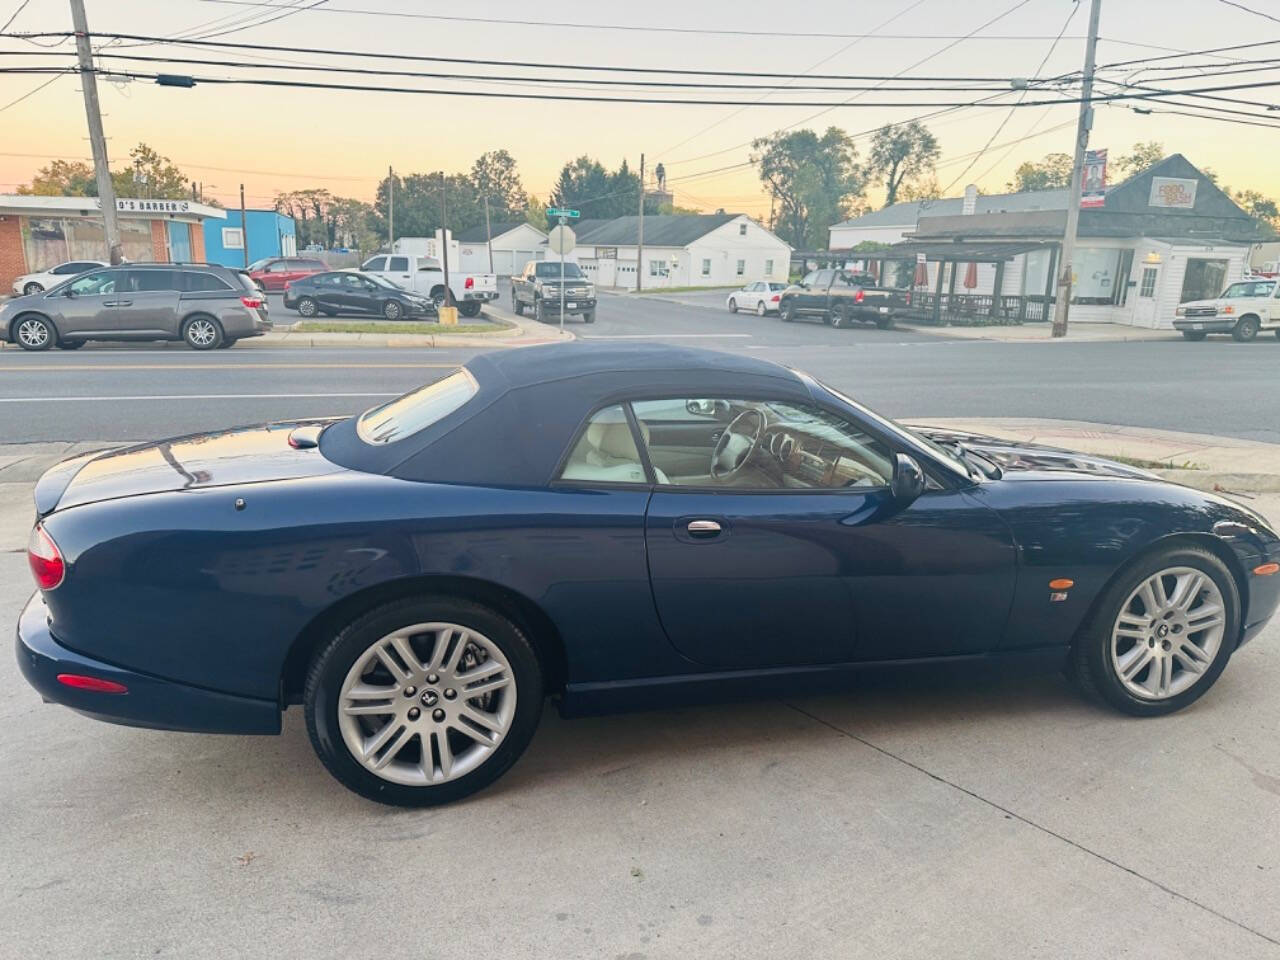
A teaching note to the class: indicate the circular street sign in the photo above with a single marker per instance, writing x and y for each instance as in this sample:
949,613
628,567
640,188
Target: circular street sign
561,240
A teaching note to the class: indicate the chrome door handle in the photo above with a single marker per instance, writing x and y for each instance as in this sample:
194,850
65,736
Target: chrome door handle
703,528
117,303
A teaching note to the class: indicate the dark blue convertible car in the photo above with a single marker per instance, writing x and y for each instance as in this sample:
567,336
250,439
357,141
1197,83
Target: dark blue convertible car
617,528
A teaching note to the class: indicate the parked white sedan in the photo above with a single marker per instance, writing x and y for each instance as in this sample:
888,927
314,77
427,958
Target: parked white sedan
38,282
761,296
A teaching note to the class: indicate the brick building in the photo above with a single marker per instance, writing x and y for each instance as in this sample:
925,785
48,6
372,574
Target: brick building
38,232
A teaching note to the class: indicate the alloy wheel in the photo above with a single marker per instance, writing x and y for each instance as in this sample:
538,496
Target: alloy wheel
307,307
33,334
1168,633
201,333
427,703
392,310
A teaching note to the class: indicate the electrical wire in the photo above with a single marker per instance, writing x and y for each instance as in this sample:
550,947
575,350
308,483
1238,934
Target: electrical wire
33,92
1256,13
14,16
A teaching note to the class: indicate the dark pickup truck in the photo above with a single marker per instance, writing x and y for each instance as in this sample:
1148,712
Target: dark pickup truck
538,288
841,297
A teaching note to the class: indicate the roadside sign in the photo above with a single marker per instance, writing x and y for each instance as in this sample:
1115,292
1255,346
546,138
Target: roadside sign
561,240
557,212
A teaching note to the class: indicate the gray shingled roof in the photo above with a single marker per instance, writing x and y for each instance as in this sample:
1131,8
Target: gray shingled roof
906,214
477,235
661,230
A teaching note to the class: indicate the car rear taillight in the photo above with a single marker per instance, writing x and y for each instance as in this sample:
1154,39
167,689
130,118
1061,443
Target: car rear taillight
92,684
45,559
859,297
253,303
470,284
776,298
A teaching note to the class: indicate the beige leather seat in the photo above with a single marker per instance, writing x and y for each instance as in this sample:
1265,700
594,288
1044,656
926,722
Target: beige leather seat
607,453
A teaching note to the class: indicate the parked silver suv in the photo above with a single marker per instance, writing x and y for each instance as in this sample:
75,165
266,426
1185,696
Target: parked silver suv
206,305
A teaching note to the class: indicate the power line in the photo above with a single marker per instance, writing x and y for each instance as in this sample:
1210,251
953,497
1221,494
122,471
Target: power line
33,92
289,11
14,16
1256,13
1189,53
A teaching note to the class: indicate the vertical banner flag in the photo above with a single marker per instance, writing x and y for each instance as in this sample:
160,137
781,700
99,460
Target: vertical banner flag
1093,192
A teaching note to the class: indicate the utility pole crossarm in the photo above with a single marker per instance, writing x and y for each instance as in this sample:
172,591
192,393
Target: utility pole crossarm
97,140
1062,295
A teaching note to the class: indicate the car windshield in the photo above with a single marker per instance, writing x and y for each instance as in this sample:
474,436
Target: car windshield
550,270
1249,288
406,415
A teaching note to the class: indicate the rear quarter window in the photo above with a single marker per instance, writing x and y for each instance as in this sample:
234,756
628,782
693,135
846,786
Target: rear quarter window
194,281
415,411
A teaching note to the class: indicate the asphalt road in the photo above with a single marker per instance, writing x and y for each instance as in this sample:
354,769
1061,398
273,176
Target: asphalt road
138,392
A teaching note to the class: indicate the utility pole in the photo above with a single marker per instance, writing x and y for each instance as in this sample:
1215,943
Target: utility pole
640,229
444,237
488,233
1062,297
244,229
391,209
97,140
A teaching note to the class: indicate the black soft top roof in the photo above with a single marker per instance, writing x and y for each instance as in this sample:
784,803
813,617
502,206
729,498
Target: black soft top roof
532,400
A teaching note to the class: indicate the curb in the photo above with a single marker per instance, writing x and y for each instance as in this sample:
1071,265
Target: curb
990,334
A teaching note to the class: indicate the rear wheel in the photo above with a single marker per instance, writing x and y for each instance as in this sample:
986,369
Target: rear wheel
1246,329
1196,335
202,333
761,309
470,308
733,305
1162,632
840,316
423,701
884,323
34,333
307,307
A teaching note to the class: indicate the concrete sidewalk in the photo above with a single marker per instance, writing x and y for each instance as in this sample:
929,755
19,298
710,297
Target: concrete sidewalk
1222,464
1041,332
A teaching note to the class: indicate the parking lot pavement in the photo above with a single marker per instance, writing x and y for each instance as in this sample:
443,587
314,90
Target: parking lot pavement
917,815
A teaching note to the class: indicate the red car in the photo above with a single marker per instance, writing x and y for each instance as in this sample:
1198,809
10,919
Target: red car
274,272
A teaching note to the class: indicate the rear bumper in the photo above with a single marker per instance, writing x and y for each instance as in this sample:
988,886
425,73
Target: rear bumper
151,701
482,295
1205,324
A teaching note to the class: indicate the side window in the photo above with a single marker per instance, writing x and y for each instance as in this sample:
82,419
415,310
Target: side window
102,282
605,451
66,269
151,281
352,281
706,266
195,282
759,445
810,278
742,267
823,278
399,265
742,229
375,264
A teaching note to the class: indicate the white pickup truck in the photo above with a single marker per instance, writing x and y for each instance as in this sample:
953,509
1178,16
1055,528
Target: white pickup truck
425,275
1243,309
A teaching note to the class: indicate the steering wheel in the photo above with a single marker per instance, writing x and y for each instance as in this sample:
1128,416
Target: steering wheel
737,444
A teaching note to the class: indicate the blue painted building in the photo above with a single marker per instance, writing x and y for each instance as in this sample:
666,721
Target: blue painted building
269,234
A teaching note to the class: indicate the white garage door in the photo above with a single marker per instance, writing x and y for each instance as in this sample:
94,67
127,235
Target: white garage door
503,262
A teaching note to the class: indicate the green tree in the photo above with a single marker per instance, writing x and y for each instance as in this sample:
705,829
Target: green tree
150,175
816,181
1052,173
535,212
62,178
494,175
420,207
1140,156
901,154
1259,207
584,184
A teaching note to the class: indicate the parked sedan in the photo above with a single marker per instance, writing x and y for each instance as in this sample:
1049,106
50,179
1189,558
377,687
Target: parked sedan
275,273
351,291
42,280
761,296
617,526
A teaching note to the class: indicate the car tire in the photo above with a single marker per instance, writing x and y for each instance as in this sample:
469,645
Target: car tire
539,311
516,306
71,344
1111,665
33,332
202,333
787,311
470,308
1194,335
761,309
353,745
1246,329
884,323
733,305
307,307
391,310
840,317
438,298
31,288
589,317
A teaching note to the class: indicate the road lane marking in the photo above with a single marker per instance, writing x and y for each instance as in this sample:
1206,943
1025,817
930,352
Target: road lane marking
671,336
77,368
194,396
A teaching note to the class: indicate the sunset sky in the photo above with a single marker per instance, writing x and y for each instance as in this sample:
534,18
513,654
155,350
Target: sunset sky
282,139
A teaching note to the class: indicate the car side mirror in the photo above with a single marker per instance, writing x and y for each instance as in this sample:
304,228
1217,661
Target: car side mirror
908,479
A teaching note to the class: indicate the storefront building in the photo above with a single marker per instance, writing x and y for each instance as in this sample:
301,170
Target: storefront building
39,232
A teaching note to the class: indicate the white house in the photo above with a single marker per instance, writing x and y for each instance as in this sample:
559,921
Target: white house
514,244
681,250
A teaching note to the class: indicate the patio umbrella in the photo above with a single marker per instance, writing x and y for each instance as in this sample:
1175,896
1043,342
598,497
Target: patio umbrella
922,274
971,275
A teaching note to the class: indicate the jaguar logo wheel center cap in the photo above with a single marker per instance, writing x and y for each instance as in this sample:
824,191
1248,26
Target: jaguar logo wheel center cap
430,698
1162,631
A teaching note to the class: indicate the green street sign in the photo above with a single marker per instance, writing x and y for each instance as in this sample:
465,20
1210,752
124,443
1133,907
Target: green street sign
556,212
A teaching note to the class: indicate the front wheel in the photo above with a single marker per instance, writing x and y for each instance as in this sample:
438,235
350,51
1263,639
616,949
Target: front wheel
733,305
1246,329
202,333
423,701
1195,335
589,317
539,311
34,333
392,310
516,305
31,288
1161,633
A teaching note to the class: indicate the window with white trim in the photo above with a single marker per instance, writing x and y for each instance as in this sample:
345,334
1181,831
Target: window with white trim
232,238
742,267
706,266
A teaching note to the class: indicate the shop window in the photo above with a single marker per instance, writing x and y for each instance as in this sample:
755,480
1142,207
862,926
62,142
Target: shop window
1096,275
1204,279
1147,288
658,268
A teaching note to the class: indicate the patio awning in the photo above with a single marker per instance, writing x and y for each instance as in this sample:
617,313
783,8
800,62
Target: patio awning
961,251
